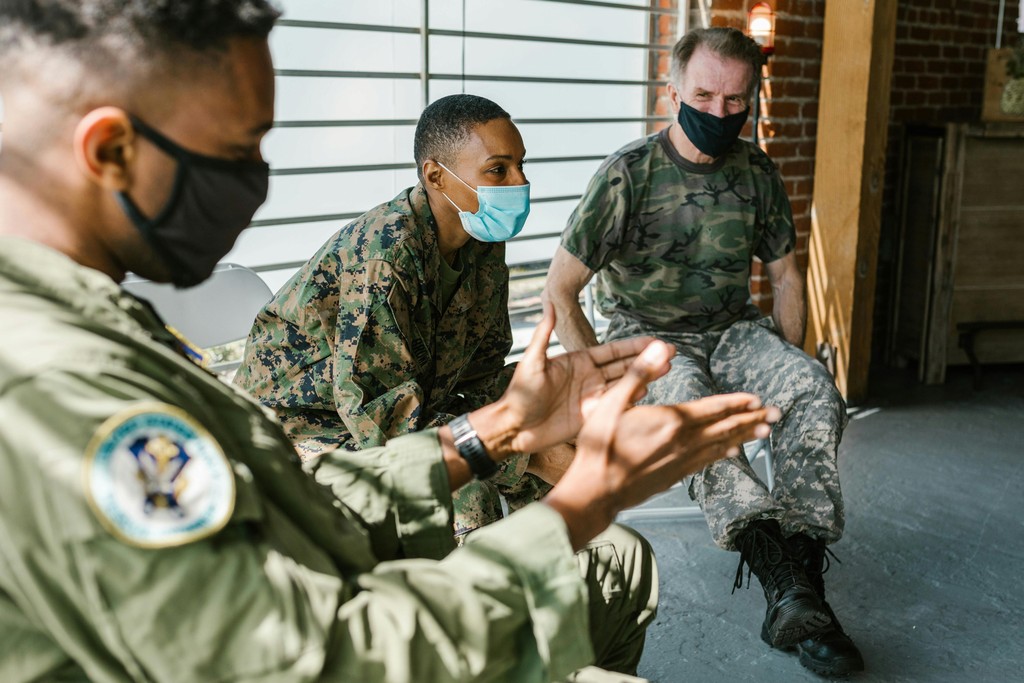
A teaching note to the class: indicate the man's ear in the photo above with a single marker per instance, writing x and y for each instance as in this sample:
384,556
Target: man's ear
433,174
674,97
105,147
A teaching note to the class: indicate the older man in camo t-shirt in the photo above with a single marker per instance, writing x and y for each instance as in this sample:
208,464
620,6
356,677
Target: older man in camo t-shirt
670,224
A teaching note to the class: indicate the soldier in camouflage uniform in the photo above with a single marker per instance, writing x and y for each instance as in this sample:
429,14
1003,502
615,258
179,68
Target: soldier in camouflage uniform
670,224
155,523
399,322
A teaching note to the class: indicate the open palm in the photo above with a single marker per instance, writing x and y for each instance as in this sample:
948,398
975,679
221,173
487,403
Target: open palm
549,396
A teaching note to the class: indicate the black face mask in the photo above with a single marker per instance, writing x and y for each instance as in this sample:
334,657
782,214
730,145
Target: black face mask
712,135
211,202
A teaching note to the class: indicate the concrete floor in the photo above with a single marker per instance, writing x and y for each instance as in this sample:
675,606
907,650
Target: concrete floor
931,585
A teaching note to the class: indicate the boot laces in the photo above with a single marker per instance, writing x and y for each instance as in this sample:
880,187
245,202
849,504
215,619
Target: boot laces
804,547
775,566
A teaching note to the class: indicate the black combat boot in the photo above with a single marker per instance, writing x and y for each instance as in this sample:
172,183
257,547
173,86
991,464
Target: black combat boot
794,609
830,652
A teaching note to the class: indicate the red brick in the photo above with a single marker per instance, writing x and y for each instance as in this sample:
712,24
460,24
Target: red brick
782,150
800,49
793,168
795,88
785,67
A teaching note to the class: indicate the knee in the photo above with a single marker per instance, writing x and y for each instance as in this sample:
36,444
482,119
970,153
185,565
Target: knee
622,561
628,542
817,385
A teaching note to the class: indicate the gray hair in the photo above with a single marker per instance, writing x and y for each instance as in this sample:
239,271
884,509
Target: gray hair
727,43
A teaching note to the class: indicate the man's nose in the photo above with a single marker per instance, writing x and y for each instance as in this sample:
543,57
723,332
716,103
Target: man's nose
717,107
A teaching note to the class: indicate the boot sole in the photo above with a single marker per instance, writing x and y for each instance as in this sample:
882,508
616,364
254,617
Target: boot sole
840,668
794,623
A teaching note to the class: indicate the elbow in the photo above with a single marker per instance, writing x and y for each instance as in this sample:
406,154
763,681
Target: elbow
555,297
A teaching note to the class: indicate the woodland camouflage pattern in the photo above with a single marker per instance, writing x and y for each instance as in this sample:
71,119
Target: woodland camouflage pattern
671,241
357,349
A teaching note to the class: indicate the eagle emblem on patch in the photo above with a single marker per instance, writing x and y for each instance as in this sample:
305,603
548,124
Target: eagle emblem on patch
156,478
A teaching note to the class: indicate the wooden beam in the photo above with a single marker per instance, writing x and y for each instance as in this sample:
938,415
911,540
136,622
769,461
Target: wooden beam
849,177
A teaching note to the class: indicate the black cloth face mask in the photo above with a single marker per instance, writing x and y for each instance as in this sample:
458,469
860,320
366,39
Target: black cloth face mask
712,135
211,202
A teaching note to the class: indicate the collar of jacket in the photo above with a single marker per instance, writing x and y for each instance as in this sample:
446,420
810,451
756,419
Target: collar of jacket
471,251
46,272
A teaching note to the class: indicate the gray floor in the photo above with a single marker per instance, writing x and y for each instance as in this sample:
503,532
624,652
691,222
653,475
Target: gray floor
931,584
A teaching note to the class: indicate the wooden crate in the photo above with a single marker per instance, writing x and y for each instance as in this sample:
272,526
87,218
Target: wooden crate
995,79
979,246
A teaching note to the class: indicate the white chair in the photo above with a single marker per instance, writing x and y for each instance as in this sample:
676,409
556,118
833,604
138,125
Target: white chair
218,311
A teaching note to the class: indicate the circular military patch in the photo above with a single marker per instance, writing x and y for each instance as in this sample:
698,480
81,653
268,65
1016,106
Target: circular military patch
156,478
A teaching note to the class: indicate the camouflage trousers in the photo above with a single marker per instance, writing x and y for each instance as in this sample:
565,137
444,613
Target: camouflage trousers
751,356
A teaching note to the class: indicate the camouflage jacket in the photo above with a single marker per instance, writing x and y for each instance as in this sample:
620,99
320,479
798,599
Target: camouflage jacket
672,241
356,348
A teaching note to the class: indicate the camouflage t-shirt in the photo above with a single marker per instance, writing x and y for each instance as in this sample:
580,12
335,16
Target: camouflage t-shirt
672,241
358,347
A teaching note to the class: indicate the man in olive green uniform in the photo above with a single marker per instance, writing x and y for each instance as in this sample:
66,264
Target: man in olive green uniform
670,224
399,322
155,524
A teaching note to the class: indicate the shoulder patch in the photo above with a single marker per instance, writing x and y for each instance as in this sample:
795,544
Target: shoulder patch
155,478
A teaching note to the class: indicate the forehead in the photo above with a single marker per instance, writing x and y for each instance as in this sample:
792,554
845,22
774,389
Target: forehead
497,137
710,71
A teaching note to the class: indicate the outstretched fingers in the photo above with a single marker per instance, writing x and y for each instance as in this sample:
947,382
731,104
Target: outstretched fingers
741,427
536,353
615,359
624,358
711,441
714,408
603,413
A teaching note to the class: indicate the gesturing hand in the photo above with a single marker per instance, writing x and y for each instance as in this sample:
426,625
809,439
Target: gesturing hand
625,455
548,397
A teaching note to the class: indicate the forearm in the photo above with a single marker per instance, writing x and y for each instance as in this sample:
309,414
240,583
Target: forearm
516,581
789,311
790,316
572,327
567,277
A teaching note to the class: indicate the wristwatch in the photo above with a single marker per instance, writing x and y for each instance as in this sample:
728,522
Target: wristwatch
472,450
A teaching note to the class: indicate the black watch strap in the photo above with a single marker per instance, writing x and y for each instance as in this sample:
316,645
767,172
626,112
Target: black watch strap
471,448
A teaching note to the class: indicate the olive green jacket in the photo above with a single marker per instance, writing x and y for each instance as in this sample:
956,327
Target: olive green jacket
281,576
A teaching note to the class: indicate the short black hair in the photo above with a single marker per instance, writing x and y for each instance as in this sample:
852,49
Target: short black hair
728,43
147,28
445,125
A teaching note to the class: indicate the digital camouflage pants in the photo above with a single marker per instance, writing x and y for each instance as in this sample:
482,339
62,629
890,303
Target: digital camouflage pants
750,356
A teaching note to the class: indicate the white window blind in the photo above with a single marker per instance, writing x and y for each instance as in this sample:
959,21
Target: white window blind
352,78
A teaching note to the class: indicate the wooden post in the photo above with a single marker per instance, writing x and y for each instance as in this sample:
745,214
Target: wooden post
849,177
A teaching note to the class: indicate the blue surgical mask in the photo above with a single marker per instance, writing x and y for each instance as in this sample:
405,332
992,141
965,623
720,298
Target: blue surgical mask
712,135
502,213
